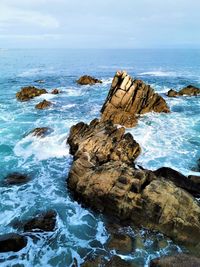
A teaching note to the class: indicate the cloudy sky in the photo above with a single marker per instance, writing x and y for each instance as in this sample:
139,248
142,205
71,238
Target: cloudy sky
99,23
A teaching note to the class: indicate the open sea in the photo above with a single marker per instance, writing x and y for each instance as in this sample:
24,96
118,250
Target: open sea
171,140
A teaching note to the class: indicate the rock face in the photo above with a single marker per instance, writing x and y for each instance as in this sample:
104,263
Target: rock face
87,80
12,242
41,132
29,92
44,222
129,98
16,179
103,176
190,90
43,105
179,260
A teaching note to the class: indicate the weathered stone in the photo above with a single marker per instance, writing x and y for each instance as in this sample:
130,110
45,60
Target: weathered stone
100,261
12,242
128,98
41,132
43,222
190,90
179,260
122,243
16,179
55,92
43,105
29,92
87,80
116,261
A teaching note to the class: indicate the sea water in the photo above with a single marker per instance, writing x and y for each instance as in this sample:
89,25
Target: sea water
171,140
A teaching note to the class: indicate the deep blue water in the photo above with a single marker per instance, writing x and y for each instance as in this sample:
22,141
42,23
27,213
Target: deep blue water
166,140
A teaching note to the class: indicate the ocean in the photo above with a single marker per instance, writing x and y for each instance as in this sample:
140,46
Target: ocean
171,140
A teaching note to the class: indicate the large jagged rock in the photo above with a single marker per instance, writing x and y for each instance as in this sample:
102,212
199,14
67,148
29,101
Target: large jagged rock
29,92
179,260
103,177
128,98
190,90
87,80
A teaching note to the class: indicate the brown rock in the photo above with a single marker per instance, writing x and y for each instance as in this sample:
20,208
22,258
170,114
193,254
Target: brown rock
55,92
128,98
99,261
116,261
172,93
41,132
43,105
16,179
12,242
43,222
122,243
87,80
179,260
29,92
189,91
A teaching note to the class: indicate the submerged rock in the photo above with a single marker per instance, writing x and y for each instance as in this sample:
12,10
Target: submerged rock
43,222
29,92
129,98
179,260
55,92
190,90
87,80
12,242
41,131
16,179
43,105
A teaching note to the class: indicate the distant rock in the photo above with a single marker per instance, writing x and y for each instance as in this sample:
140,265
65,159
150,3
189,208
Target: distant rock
87,80
55,92
179,260
12,242
16,179
41,132
190,90
129,98
43,105
29,92
43,222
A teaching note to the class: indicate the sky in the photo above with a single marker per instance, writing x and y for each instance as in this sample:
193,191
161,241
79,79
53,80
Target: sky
99,24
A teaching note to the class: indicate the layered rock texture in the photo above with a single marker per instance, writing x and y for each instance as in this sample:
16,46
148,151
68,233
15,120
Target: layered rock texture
179,260
129,98
88,80
29,92
190,90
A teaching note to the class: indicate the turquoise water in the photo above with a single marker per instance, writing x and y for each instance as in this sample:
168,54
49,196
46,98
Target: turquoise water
166,139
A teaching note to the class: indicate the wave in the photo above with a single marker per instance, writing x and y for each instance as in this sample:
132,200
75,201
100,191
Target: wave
35,72
159,73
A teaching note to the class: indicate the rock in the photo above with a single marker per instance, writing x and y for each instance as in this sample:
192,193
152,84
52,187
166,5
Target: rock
129,98
16,179
87,80
190,90
172,93
195,179
122,243
29,92
179,180
179,260
43,222
41,132
12,242
116,261
94,262
43,105
103,177
55,92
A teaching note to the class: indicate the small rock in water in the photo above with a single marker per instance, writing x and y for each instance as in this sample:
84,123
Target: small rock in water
55,92
16,179
172,93
179,260
41,131
87,80
12,242
43,222
29,92
43,105
190,90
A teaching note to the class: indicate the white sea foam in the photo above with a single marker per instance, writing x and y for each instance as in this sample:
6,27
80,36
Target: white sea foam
159,73
36,71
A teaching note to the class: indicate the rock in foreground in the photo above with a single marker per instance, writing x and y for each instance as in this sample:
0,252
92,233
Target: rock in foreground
103,177
43,105
12,242
29,92
179,260
190,90
128,98
87,80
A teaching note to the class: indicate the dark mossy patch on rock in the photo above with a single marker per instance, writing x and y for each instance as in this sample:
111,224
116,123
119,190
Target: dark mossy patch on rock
88,80
43,105
12,242
29,92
